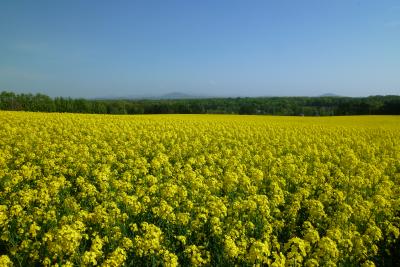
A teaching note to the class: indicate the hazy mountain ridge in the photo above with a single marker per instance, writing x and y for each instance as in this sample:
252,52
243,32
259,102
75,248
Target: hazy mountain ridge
167,96
329,95
180,95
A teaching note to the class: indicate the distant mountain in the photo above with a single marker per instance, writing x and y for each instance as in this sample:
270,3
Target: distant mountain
177,95
169,96
329,94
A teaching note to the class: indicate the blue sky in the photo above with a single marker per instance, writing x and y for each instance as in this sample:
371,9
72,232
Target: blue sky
219,48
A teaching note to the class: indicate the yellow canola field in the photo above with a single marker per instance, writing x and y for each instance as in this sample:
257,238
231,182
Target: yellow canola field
221,190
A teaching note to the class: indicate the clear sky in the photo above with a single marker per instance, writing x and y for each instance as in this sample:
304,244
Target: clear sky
203,47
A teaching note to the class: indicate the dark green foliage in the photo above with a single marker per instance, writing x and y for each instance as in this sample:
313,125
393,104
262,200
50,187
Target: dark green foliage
291,106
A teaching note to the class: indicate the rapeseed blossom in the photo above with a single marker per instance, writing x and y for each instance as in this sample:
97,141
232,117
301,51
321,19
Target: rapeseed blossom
179,190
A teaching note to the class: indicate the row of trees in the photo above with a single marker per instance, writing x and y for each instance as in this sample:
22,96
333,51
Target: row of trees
308,106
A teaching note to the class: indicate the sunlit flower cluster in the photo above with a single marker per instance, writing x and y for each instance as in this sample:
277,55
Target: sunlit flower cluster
199,190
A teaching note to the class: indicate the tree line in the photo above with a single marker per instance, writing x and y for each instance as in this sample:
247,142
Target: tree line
292,106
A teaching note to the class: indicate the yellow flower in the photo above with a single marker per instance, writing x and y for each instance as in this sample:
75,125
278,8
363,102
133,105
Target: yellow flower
197,255
150,242
169,259
117,258
5,261
33,229
230,247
